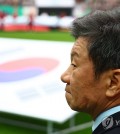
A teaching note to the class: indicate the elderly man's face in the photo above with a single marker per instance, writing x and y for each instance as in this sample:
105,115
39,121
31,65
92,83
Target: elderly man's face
83,91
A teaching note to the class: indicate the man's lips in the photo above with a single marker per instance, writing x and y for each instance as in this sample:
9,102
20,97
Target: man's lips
67,89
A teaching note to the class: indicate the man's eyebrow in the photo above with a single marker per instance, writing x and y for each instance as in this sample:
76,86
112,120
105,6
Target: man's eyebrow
74,54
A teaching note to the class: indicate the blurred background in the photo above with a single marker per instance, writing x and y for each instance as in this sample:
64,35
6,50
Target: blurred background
34,50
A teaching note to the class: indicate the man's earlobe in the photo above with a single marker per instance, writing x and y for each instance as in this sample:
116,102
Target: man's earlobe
114,85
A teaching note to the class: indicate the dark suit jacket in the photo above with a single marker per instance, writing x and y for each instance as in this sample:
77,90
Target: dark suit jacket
111,125
115,130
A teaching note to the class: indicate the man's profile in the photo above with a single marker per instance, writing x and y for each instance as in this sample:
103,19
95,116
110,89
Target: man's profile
93,77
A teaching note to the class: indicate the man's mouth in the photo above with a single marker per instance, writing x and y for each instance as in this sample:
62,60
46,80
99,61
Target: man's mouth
67,90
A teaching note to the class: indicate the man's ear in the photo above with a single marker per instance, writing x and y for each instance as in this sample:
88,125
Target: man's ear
114,84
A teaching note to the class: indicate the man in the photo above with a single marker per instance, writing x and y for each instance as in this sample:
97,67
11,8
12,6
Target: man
93,77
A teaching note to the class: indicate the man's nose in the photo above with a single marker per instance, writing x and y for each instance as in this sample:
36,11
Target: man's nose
65,77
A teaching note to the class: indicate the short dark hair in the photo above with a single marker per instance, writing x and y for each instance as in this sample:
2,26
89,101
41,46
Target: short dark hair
103,30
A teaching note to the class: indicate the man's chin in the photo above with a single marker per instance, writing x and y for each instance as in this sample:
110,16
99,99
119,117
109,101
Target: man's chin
76,108
73,107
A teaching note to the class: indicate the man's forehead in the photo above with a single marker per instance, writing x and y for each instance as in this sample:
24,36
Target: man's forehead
80,44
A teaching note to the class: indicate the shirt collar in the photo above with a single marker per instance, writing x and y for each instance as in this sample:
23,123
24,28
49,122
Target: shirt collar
104,115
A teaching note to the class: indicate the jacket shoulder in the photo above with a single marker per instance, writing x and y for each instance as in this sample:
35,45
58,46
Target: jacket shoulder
115,130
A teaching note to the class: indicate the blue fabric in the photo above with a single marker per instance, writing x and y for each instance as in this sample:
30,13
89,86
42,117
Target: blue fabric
104,115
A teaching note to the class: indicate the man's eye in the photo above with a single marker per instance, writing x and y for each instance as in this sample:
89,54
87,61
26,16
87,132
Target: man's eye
73,65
